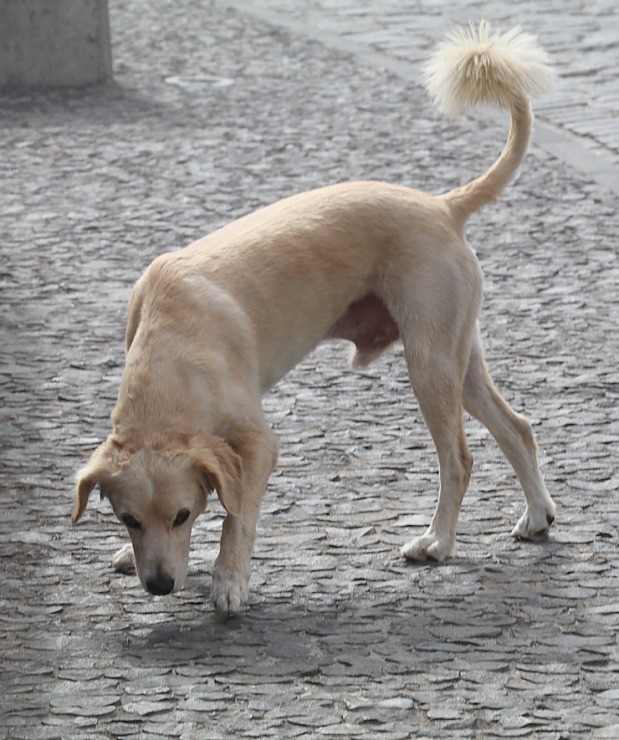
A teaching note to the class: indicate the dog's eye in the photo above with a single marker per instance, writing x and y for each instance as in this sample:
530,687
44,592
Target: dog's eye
181,517
131,522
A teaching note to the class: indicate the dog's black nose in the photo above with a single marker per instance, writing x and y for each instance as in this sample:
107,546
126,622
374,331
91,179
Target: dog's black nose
160,585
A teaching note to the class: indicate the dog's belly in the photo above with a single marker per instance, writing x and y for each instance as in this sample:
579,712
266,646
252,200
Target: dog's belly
368,323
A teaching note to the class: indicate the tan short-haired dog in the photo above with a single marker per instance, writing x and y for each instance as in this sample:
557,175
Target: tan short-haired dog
212,327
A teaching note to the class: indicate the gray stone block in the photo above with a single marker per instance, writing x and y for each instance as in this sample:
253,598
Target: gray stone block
61,43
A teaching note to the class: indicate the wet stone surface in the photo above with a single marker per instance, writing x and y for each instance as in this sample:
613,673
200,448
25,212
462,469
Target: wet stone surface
214,113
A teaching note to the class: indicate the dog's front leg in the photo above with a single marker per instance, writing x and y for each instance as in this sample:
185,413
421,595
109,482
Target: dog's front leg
230,585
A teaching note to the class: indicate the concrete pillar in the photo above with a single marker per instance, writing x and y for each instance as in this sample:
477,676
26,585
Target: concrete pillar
54,43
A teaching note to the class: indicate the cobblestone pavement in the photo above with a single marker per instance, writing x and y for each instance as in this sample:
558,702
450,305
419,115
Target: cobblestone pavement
216,111
582,38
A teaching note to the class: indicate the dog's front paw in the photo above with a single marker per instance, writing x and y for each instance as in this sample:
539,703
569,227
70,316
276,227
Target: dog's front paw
536,521
429,547
229,590
124,560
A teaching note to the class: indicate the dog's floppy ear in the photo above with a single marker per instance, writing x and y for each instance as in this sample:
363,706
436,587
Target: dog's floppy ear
221,469
101,466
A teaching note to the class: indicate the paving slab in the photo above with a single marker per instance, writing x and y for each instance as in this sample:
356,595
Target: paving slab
216,111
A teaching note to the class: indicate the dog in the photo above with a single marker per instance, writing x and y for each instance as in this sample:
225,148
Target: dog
215,325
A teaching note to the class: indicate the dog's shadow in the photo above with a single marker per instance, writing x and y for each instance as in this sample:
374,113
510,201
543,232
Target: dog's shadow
437,614
284,640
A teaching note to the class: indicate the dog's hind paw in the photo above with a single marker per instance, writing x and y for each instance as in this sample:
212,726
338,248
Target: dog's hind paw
428,547
535,522
229,591
124,560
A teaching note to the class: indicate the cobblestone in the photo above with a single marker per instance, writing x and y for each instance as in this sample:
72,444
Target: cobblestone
216,111
582,38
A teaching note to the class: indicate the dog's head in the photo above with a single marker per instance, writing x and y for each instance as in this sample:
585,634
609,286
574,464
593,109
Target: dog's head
158,494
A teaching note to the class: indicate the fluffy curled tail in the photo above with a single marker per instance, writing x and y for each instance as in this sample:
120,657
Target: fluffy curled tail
473,66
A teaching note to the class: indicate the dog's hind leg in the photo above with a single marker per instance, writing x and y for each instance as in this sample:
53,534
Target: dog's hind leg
230,584
439,395
124,560
436,324
514,436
